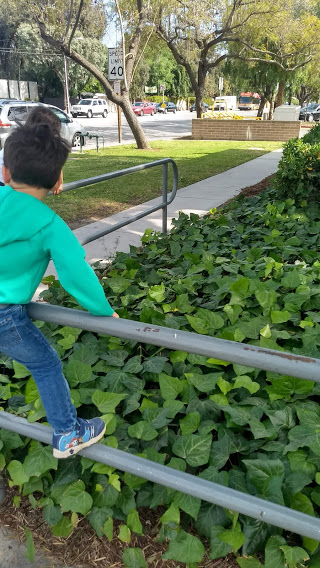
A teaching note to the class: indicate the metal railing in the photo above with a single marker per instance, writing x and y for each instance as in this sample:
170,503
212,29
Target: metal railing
253,356
166,200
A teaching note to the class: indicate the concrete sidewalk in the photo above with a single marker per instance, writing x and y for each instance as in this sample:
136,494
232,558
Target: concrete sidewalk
197,198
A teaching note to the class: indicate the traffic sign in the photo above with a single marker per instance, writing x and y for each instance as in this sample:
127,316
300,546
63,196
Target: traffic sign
162,87
115,63
163,105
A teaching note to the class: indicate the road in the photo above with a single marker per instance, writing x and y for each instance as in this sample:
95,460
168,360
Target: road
157,127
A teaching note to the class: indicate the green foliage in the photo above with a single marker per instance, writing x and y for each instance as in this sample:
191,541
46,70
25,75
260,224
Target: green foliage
313,136
248,273
298,174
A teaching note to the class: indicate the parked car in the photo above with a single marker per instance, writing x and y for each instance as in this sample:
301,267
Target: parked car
10,113
141,108
90,108
310,112
169,107
205,107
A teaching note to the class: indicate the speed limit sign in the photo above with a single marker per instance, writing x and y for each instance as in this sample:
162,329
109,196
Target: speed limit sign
115,63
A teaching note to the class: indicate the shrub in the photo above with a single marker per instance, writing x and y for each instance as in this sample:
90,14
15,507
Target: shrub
298,174
313,136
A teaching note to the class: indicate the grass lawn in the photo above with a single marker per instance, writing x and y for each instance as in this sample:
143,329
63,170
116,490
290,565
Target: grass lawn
196,160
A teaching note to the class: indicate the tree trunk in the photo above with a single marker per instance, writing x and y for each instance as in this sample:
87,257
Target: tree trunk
272,100
134,123
282,85
261,105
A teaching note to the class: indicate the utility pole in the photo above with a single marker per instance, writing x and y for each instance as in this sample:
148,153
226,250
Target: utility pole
66,84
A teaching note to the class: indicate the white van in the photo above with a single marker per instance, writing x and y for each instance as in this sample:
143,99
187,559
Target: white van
225,103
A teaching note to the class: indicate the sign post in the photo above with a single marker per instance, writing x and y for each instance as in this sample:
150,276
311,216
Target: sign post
162,89
115,74
220,89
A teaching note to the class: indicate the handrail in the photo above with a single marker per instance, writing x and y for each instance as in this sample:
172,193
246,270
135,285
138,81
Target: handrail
111,175
225,350
254,507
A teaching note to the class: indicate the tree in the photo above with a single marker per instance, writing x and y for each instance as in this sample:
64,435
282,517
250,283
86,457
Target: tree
58,22
202,36
39,61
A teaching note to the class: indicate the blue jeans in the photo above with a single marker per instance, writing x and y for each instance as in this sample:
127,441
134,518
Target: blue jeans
24,342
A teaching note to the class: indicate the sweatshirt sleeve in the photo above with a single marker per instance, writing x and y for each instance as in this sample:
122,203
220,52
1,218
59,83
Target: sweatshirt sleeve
75,274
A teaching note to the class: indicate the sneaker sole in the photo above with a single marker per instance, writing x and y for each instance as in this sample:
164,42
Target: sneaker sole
72,451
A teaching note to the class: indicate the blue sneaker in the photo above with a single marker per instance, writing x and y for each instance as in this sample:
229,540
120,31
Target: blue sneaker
86,433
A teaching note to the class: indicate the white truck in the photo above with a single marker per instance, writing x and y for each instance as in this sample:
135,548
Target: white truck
225,103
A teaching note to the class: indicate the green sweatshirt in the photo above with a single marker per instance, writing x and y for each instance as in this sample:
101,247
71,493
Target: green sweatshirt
30,234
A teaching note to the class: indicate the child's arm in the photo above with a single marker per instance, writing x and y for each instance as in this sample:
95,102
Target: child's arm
74,273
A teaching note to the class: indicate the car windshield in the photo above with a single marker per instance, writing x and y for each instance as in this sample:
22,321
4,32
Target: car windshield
84,102
244,99
312,105
137,104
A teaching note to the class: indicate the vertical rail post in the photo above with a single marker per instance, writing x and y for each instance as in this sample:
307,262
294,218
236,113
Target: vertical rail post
164,198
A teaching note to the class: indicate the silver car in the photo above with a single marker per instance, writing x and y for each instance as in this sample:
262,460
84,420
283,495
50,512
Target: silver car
90,108
10,113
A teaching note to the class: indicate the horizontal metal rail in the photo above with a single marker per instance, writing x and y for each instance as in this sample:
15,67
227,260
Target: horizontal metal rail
254,507
251,355
280,362
166,200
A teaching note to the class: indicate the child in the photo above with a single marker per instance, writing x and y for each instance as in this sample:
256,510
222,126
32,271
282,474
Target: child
31,234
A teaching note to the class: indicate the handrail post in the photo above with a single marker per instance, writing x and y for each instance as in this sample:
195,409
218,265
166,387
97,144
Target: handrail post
165,198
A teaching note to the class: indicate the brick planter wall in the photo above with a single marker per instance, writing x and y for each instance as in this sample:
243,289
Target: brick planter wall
275,130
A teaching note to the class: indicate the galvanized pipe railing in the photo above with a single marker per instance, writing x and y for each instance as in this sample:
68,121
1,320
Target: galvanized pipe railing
111,175
232,351
254,507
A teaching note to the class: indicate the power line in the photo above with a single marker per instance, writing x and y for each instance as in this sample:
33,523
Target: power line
30,52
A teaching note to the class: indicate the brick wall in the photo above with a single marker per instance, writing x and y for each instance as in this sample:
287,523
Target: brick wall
208,129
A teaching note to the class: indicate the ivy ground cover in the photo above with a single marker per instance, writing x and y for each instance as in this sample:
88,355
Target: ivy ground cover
249,273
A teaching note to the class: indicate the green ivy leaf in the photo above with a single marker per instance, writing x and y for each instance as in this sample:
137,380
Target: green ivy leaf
77,372
52,514
39,460
188,504
17,472
63,528
185,548
76,499
31,550
124,533
142,431
133,558
190,423
171,516
170,387
133,522
234,537
195,449
108,529
294,555
107,402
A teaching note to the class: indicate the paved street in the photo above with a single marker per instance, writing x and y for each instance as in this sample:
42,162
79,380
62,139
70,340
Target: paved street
157,127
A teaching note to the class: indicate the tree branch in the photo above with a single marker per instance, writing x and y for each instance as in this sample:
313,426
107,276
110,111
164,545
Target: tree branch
75,25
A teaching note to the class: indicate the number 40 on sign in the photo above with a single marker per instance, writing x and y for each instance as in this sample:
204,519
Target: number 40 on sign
115,63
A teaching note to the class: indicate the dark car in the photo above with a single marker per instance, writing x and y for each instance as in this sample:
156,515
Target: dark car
310,112
205,107
169,107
